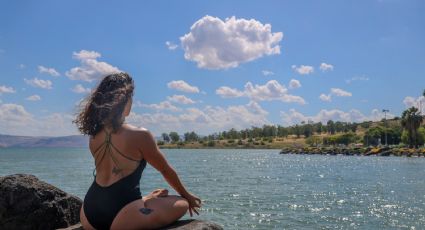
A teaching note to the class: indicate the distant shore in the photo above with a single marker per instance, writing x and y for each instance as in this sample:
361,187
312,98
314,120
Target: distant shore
266,143
296,146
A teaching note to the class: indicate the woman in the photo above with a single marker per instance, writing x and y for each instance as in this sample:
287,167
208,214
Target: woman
121,152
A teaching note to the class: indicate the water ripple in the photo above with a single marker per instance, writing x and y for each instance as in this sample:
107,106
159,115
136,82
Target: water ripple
260,189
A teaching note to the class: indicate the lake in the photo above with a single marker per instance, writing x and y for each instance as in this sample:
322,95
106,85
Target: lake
261,189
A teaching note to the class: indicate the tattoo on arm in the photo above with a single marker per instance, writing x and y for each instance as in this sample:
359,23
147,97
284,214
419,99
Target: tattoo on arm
146,211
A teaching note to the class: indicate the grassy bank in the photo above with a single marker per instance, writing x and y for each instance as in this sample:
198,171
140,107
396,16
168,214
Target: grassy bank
259,143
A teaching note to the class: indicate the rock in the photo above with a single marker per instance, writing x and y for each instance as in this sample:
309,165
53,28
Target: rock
193,225
178,225
386,153
28,203
73,227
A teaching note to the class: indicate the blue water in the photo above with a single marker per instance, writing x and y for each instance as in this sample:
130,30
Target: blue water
262,189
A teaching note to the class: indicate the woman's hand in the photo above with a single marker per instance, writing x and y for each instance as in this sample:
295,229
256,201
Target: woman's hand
194,202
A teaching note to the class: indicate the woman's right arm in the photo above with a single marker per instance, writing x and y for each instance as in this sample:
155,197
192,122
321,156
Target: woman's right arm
154,157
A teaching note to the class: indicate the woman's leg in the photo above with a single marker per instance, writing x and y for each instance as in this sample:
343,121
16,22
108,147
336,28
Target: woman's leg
151,212
83,219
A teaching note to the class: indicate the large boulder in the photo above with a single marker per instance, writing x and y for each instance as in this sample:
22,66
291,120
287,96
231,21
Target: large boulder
28,203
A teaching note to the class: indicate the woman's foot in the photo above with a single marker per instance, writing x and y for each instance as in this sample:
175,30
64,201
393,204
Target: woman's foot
160,192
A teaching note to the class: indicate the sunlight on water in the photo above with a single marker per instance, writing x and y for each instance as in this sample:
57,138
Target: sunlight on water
261,189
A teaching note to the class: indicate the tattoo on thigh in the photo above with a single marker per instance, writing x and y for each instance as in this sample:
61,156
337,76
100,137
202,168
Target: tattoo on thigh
145,211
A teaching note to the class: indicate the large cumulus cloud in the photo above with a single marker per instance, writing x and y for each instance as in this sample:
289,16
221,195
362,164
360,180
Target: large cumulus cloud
216,44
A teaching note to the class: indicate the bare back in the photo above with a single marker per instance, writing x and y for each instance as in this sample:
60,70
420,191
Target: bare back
118,158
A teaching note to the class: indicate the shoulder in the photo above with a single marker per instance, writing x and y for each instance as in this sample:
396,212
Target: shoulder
140,133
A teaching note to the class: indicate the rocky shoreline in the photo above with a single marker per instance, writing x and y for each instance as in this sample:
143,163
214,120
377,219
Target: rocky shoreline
29,203
357,151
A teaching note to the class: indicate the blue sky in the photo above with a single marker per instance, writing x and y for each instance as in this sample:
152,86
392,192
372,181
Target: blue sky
209,66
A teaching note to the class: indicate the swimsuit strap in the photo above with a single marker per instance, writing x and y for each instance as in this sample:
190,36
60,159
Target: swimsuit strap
107,144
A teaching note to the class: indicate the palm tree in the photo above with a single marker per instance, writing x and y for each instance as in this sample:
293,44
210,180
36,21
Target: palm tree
411,120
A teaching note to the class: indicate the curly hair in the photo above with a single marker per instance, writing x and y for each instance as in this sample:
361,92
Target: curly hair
105,105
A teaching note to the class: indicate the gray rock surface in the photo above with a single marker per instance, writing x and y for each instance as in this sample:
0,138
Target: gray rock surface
178,225
28,203
193,225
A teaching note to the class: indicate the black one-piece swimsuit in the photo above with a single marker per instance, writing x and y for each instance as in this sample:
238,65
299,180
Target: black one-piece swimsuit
102,203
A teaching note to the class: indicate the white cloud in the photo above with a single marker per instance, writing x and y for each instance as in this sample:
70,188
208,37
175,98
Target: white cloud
164,105
358,78
182,99
325,67
267,72
335,92
325,97
227,92
293,84
170,45
50,71
86,55
216,44
294,117
34,97
15,120
303,69
181,85
39,83
340,93
13,115
418,102
272,90
80,89
91,69
204,121
6,89
21,66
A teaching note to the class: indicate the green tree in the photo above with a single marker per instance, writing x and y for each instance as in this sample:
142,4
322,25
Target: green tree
308,130
190,136
174,137
339,126
365,124
331,127
313,140
297,130
165,137
353,127
282,131
411,120
373,136
421,136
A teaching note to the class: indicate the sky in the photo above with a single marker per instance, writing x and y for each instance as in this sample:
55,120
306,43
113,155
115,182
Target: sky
208,66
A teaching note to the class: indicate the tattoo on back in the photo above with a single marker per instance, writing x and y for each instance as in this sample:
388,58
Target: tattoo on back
145,211
116,170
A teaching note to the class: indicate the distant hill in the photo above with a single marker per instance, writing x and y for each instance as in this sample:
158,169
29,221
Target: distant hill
7,141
